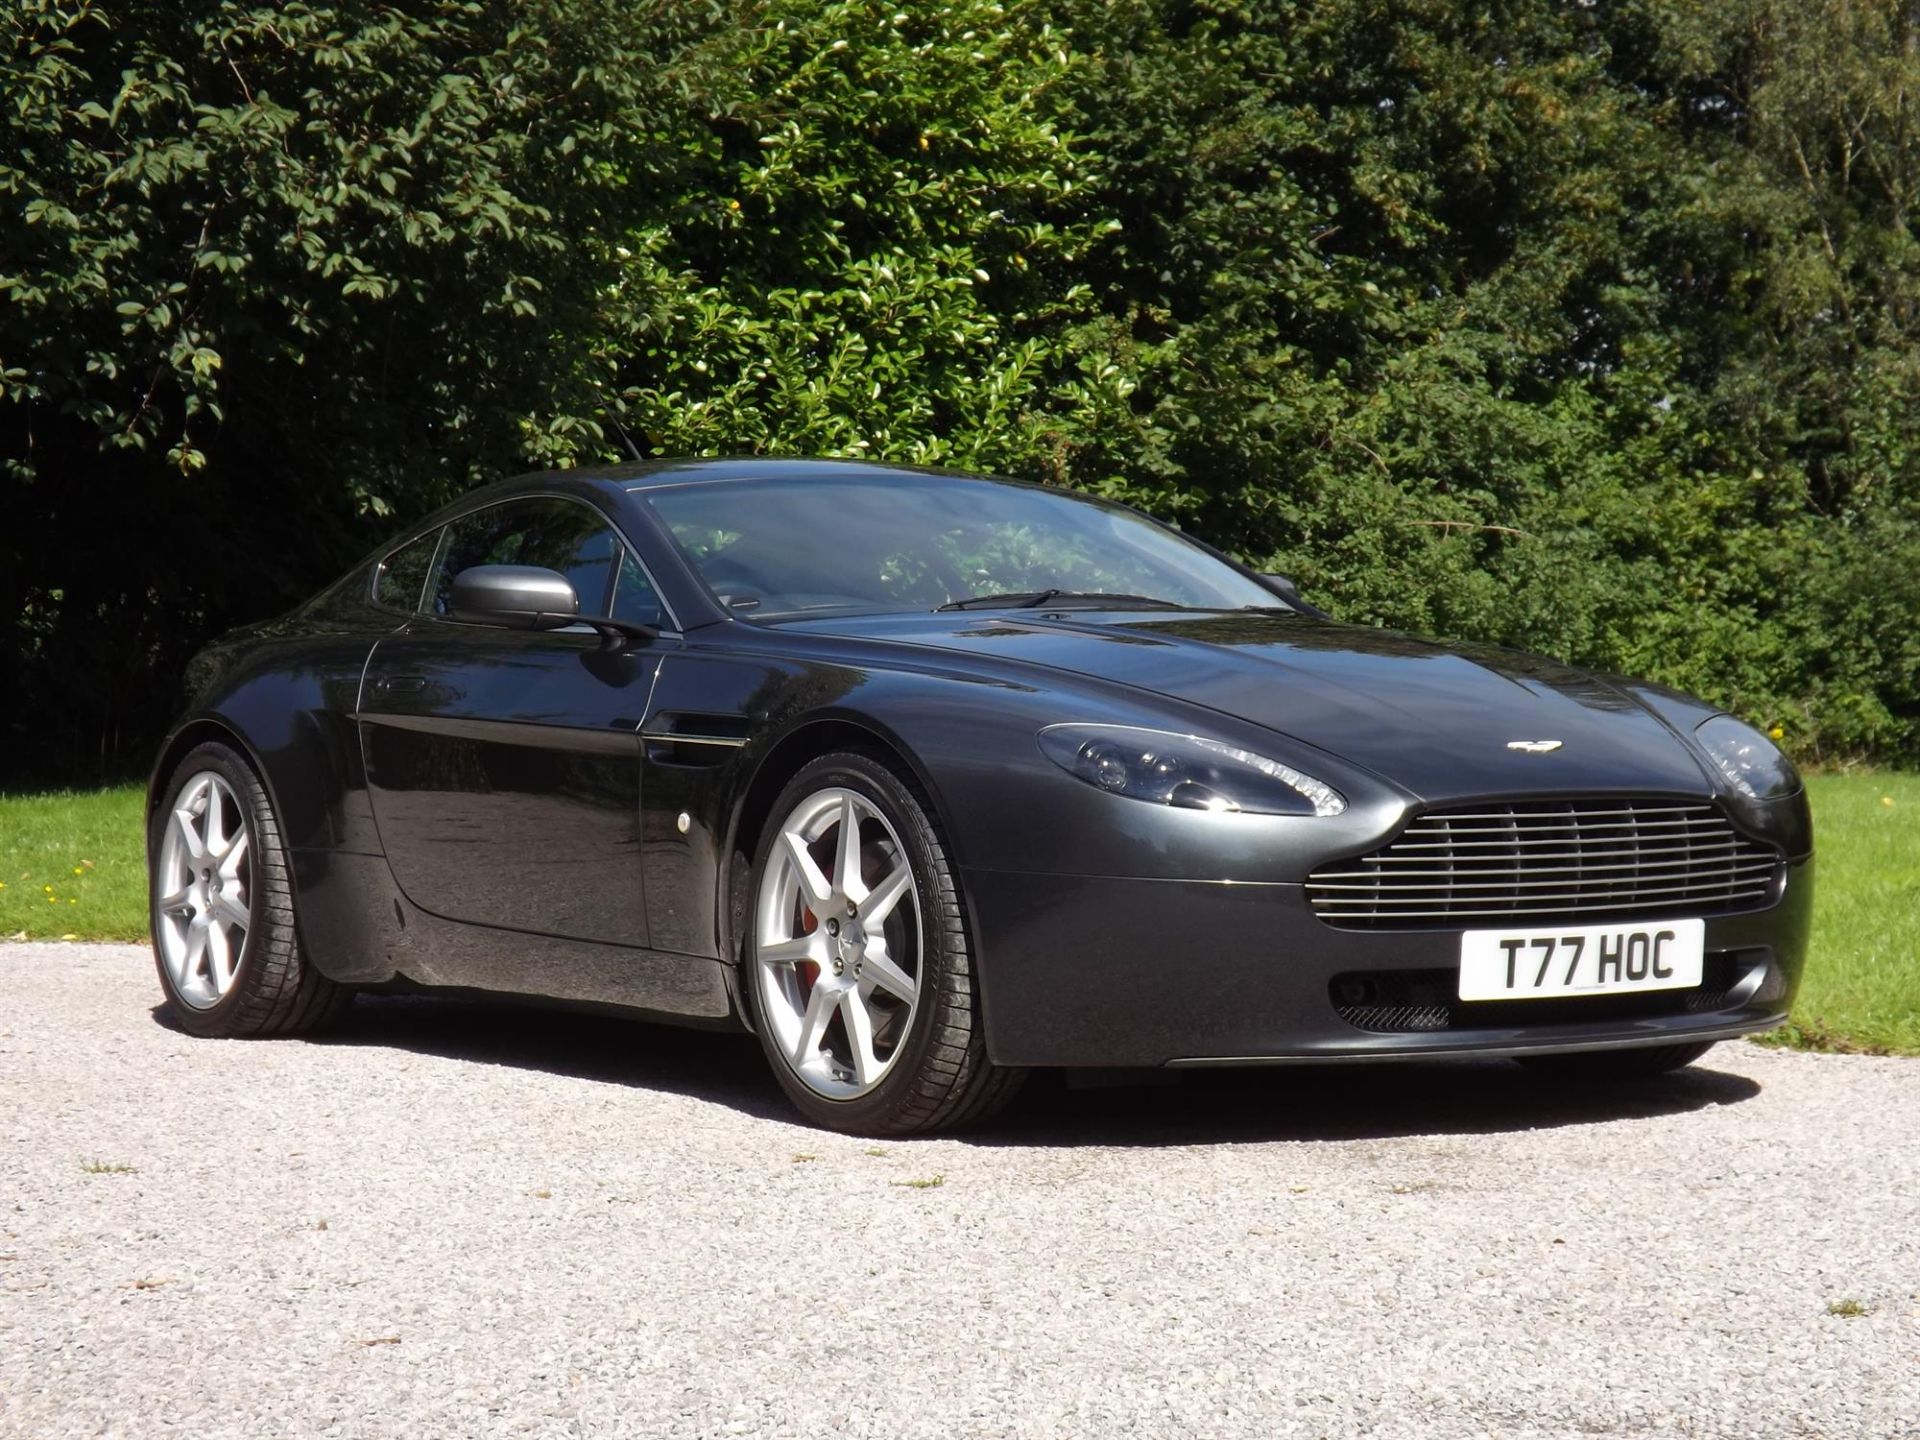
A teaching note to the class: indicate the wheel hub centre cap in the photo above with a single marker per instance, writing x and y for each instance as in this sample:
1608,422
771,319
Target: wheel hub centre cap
848,937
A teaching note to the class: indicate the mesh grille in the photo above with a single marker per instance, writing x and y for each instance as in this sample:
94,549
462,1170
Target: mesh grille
1399,1002
1549,860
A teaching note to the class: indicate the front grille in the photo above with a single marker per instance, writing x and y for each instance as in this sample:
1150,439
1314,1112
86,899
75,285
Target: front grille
1549,860
1401,1002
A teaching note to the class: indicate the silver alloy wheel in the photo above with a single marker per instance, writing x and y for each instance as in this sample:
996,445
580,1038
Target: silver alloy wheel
837,943
205,888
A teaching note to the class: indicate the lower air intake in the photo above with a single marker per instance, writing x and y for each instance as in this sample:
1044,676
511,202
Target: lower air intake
1410,1002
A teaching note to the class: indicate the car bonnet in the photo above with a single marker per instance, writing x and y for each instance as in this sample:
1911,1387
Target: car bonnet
1448,722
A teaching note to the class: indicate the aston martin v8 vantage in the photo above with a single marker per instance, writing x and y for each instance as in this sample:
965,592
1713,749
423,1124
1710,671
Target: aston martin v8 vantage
929,780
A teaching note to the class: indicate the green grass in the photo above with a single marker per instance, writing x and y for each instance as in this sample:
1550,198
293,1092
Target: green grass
73,864
1862,987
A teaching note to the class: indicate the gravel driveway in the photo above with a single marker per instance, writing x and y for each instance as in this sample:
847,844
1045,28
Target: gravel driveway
463,1219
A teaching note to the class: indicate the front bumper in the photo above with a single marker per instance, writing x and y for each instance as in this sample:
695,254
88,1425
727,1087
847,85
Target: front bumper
1092,972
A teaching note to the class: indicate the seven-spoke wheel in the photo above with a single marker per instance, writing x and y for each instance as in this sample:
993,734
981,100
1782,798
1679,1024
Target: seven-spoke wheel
838,932
206,877
858,964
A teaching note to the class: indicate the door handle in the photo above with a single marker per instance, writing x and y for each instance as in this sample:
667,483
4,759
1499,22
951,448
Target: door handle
399,684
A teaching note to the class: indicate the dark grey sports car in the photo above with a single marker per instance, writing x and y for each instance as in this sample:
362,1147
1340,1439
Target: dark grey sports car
930,779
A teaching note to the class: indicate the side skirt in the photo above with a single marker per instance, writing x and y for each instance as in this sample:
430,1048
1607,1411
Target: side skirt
359,929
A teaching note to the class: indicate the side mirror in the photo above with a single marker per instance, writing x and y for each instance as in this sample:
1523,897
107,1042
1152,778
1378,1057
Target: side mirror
520,597
1284,587
528,597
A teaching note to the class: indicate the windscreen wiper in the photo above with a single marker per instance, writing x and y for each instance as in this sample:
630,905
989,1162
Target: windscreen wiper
1032,599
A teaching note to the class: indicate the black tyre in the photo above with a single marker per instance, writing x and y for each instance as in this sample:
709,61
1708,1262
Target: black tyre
1636,1064
221,907
857,966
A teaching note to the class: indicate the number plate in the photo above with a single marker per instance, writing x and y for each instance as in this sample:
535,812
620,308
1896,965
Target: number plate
1558,961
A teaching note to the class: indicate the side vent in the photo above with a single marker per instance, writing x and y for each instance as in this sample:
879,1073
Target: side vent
693,739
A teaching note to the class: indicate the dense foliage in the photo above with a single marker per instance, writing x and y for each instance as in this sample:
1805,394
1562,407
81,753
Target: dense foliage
1585,328
274,276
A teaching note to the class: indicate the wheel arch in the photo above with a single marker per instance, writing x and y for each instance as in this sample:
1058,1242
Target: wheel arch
299,996
820,735
793,751
196,732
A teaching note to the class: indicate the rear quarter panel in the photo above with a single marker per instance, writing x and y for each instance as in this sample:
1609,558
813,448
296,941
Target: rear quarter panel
285,692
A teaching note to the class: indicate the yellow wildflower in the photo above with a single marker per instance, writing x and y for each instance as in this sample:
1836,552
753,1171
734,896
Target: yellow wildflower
1778,732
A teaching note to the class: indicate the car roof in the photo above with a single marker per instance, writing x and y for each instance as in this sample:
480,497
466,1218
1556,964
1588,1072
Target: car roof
645,476
658,474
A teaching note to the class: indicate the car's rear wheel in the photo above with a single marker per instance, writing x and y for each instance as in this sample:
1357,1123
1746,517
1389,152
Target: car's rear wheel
1635,1064
859,970
224,938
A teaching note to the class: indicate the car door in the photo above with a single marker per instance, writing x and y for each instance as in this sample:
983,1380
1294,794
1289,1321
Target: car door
504,765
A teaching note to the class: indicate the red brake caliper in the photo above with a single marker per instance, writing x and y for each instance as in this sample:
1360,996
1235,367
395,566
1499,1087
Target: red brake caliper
809,971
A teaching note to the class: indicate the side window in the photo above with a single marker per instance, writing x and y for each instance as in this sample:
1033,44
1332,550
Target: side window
634,598
403,574
555,534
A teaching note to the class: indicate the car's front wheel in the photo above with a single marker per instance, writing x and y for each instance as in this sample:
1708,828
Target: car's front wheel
858,967
224,938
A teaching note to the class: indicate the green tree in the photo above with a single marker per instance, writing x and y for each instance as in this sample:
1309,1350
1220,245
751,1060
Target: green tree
878,255
1586,328
272,270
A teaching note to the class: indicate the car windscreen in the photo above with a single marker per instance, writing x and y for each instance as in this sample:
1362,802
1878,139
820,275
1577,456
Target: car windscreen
780,548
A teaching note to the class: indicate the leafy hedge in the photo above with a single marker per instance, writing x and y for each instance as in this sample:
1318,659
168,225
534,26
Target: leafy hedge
1589,329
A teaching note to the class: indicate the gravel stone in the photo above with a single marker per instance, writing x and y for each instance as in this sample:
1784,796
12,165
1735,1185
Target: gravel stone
459,1218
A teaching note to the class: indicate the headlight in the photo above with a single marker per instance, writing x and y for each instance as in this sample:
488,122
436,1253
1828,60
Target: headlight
1751,763
1185,771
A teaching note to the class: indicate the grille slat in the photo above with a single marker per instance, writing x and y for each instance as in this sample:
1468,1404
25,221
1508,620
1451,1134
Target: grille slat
1675,839
1610,815
1586,826
1550,860
1691,880
1606,860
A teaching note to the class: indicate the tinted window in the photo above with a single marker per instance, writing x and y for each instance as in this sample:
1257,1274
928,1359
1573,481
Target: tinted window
554,534
792,546
403,574
634,598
